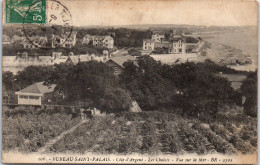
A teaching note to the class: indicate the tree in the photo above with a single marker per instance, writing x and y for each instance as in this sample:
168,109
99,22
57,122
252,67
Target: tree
115,100
200,89
93,81
249,90
208,93
8,80
145,83
32,74
192,87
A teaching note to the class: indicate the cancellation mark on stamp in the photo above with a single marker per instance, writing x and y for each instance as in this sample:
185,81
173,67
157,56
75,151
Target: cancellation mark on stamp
52,32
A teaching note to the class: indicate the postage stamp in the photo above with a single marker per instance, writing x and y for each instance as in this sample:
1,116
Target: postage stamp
52,32
18,10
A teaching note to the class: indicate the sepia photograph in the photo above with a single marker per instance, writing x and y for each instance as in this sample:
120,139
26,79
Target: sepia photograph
129,82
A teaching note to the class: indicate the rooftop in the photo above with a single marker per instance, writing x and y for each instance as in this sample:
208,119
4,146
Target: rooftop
98,37
74,59
37,88
84,58
66,35
45,57
149,40
122,59
158,32
62,59
235,79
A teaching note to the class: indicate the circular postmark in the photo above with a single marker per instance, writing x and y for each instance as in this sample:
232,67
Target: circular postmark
52,30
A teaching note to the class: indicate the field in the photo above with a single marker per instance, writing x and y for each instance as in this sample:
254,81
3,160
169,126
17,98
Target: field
160,133
27,129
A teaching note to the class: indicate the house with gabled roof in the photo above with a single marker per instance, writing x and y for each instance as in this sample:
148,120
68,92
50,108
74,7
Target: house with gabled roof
86,39
103,41
158,36
61,59
34,94
67,40
99,41
84,58
148,44
177,45
72,60
117,63
34,42
79,58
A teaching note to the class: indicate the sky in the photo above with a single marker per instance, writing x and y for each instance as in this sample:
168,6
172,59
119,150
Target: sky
137,12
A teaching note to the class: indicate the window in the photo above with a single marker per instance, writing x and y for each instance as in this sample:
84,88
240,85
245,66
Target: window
115,69
23,97
145,47
34,97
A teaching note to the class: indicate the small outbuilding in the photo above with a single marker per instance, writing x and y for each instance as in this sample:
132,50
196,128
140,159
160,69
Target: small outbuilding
117,63
34,94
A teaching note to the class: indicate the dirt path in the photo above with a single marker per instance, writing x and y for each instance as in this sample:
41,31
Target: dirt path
56,139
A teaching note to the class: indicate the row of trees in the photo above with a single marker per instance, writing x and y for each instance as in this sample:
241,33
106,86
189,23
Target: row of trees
193,88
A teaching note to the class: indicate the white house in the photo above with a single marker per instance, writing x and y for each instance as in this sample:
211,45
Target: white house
158,37
178,46
84,58
61,59
35,42
148,44
86,39
108,42
99,41
63,41
103,41
45,59
34,94
56,54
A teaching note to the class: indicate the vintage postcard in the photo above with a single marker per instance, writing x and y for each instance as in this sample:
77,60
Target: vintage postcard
129,82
